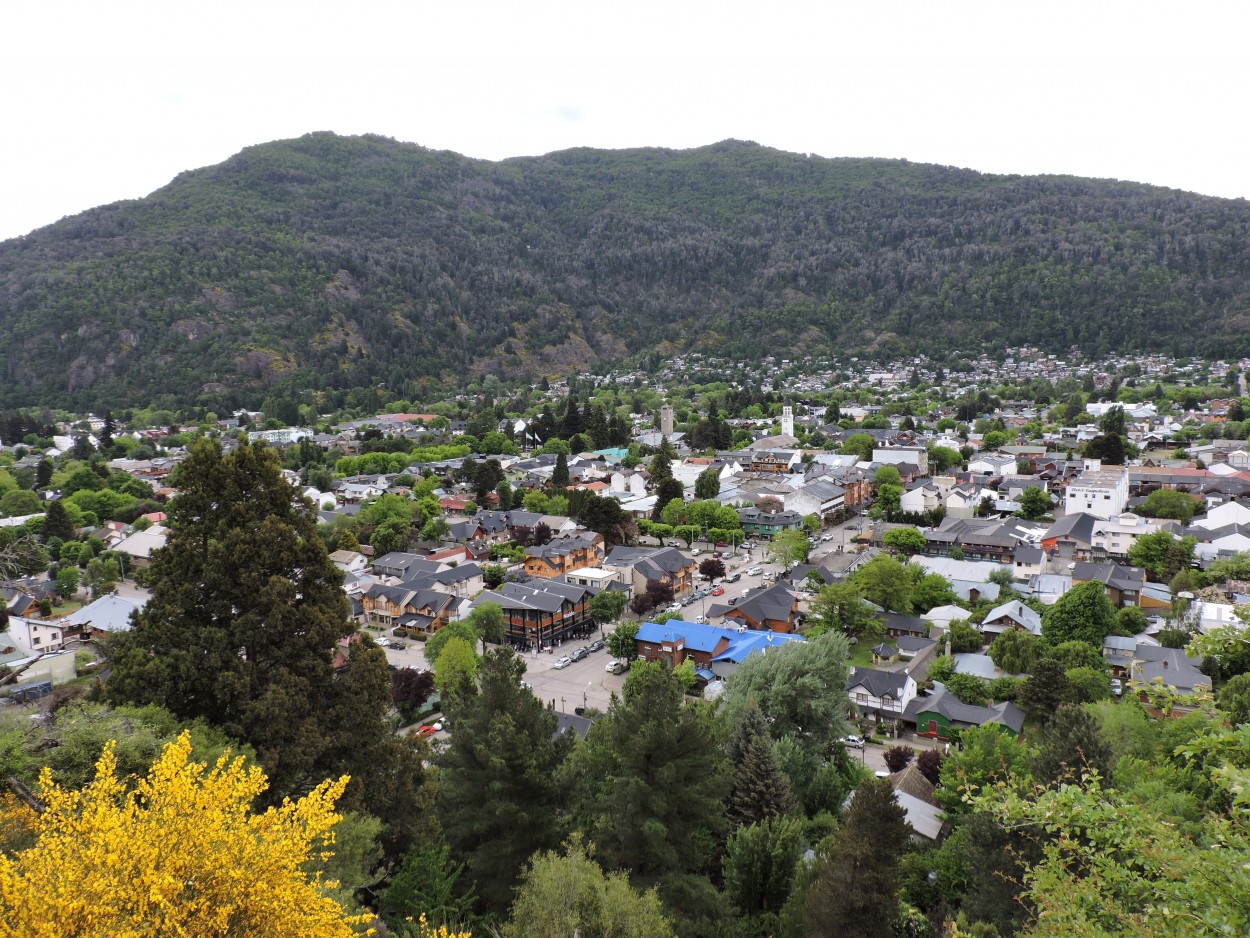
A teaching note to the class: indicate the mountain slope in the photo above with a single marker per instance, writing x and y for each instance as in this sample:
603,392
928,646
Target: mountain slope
332,263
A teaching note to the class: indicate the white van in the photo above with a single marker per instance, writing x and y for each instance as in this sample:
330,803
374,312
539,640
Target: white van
755,571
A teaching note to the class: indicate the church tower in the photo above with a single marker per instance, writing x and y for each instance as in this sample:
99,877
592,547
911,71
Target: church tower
666,421
787,420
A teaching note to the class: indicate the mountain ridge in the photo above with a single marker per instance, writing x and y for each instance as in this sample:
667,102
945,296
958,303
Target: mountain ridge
337,263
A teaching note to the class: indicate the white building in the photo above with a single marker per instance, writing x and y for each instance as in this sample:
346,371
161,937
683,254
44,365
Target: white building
897,455
1097,491
1117,535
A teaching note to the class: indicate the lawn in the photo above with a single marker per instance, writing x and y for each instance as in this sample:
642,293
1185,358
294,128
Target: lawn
861,655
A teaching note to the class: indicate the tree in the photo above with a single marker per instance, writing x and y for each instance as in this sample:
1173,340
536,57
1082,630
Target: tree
1083,613
930,764
658,593
67,580
885,582
486,619
665,492
56,522
1014,651
855,892
455,667
1169,503
607,605
1161,554
789,548
1045,690
410,689
905,541
1234,699
887,475
969,688
840,607
460,628
649,785
760,789
932,590
799,688
169,853
888,501
242,629
964,638
986,755
1071,746
428,884
560,474
897,757
621,641
707,484
1087,685
499,800
493,574
712,567
43,473
19,502
571,895
1034,503
759,864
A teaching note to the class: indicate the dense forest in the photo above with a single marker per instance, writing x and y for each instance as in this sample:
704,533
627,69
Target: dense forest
331,263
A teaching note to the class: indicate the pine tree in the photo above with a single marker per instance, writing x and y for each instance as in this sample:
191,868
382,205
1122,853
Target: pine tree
56,523
1071,745
499,801
43,473
560,475
246,618
650,787
760,789
855,892
106,432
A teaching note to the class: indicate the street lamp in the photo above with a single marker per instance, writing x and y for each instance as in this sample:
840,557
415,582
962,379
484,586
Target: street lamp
588,683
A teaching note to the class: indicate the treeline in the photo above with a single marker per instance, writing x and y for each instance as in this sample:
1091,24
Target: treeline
345,264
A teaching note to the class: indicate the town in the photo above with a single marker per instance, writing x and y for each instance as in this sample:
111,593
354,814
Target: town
1013,550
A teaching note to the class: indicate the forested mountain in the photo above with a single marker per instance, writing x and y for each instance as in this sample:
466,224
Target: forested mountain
335,263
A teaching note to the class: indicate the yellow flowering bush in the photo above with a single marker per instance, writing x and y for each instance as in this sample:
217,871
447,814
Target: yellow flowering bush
181,854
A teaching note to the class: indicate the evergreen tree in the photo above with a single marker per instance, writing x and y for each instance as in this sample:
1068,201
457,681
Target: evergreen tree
1071,745
760,789
560,475
56,522
246,618
43,473
759,865
106,432
1045,690
707,485
668,489
649,787
855,892
499,801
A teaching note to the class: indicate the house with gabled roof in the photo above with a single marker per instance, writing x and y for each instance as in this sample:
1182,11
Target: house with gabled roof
539,613
1011,616
715,651
775,609
414,610
638,565
882,694
941,711
564,554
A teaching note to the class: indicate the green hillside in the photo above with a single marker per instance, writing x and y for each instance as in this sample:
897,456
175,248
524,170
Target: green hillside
335,263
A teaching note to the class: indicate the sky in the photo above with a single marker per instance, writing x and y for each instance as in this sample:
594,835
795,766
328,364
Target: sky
109,101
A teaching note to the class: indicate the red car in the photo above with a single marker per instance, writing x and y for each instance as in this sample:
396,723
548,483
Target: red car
426,731
718,591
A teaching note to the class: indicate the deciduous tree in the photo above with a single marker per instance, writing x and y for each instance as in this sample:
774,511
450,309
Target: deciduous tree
1083,613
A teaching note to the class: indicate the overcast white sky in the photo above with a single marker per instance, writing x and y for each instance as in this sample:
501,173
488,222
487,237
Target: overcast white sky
110,100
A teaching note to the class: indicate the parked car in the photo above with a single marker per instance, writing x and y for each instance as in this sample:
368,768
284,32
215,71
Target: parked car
718,591
853,742
1117,687
430,729
616,667
733,578
596,645
827,537
695,552
675,607
577,654
563,663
